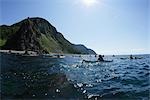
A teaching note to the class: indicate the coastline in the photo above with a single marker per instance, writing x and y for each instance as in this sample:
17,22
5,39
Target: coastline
22,53
33,52
12,51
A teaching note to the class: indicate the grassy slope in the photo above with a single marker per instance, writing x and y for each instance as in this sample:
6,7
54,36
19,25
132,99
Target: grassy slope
2,42
49,44
6,32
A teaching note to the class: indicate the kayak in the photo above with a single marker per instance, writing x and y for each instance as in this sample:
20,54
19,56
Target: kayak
86,61
130,58
123,58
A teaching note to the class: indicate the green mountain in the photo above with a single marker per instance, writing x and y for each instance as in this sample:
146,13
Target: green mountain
37,34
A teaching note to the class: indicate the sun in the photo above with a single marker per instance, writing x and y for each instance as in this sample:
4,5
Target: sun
89,3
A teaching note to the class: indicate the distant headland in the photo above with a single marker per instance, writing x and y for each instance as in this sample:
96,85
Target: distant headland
37,34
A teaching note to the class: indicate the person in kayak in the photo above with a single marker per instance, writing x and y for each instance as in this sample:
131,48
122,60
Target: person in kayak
100,58
131,57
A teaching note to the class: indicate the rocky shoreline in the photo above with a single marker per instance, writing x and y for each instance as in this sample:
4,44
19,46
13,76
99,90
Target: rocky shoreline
29,53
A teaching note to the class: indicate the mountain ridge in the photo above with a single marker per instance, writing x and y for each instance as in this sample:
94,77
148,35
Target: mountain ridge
37,34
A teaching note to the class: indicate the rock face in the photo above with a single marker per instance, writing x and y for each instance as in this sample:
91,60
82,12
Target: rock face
37,34
26,38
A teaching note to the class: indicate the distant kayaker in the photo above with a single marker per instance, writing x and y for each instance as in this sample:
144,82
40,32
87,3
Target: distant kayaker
100,58
131,57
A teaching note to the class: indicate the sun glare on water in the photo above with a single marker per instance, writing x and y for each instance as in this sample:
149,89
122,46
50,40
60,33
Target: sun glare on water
89,3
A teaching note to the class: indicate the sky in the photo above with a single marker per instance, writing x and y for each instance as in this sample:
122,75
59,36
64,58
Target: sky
106,26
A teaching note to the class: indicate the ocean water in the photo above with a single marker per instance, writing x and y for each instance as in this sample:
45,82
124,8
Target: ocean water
69,78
